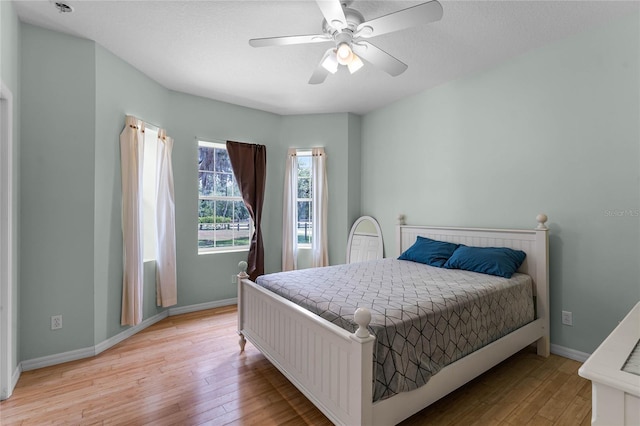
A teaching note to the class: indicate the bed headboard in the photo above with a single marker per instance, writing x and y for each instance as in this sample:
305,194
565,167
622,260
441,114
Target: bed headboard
534,242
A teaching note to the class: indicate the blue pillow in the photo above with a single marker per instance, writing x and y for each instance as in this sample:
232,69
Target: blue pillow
428,251
500,261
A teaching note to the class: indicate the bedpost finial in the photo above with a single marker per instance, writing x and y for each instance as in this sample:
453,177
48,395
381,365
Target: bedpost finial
402,219
542,218
362,317
242,268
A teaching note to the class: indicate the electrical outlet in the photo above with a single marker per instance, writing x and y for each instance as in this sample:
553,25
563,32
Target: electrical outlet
567,318
234,279
56,322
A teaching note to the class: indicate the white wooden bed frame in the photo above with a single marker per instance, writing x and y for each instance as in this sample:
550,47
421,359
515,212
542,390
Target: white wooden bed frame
333,367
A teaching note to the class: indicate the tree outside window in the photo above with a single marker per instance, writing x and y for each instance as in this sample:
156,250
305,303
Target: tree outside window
223,220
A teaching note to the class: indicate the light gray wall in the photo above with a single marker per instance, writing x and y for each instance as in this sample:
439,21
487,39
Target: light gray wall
71,197
555,130
354,186
10,75
207,277
337,133
71,165
56,187
120,90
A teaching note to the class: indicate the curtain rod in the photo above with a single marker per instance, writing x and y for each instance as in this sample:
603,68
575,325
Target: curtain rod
145,122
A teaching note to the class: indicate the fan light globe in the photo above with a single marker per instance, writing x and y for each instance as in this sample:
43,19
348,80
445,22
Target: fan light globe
355,64
344,54
330,63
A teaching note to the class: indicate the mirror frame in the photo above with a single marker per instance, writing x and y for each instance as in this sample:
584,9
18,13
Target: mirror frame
380,253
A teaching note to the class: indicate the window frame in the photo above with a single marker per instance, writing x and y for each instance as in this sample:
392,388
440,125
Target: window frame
233,199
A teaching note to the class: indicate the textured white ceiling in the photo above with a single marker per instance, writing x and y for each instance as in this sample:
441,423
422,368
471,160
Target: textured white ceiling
201,47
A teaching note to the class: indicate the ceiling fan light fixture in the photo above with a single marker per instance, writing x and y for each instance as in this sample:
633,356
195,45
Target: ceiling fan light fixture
355,64
330,63
348,29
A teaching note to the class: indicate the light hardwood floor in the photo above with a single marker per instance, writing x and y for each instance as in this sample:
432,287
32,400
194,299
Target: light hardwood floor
187,370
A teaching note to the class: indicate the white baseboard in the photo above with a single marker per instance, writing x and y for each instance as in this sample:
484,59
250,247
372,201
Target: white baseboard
112,341
202,306
46,361
569,353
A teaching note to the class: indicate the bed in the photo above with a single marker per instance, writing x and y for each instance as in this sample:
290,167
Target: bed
334,367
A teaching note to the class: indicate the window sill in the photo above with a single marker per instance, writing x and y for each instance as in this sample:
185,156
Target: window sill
230,250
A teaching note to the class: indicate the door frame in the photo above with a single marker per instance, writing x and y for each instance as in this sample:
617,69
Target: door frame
6,241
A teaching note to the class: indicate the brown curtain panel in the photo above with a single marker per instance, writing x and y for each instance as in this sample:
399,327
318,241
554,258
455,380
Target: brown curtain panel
249,163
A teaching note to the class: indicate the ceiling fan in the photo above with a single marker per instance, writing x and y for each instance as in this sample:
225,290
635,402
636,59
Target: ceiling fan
347,29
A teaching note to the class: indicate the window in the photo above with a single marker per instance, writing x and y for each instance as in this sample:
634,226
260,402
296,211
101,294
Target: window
223,220
304,199
149,193
304,208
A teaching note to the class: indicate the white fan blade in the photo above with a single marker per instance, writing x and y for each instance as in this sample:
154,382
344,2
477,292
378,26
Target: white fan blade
283,41
320,73
406,18
333,13
379,58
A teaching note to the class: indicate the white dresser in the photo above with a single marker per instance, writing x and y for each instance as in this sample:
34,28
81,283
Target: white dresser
614,371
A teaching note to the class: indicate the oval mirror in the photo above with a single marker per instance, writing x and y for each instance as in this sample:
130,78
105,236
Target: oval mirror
365,240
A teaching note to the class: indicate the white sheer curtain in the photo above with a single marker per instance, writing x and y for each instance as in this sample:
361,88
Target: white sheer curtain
290,213
166,279
131,157
319,249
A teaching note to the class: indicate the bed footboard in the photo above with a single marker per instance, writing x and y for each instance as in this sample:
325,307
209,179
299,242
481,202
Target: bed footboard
330,366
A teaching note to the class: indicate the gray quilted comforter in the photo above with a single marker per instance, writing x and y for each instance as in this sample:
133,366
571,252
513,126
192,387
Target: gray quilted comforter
423,317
